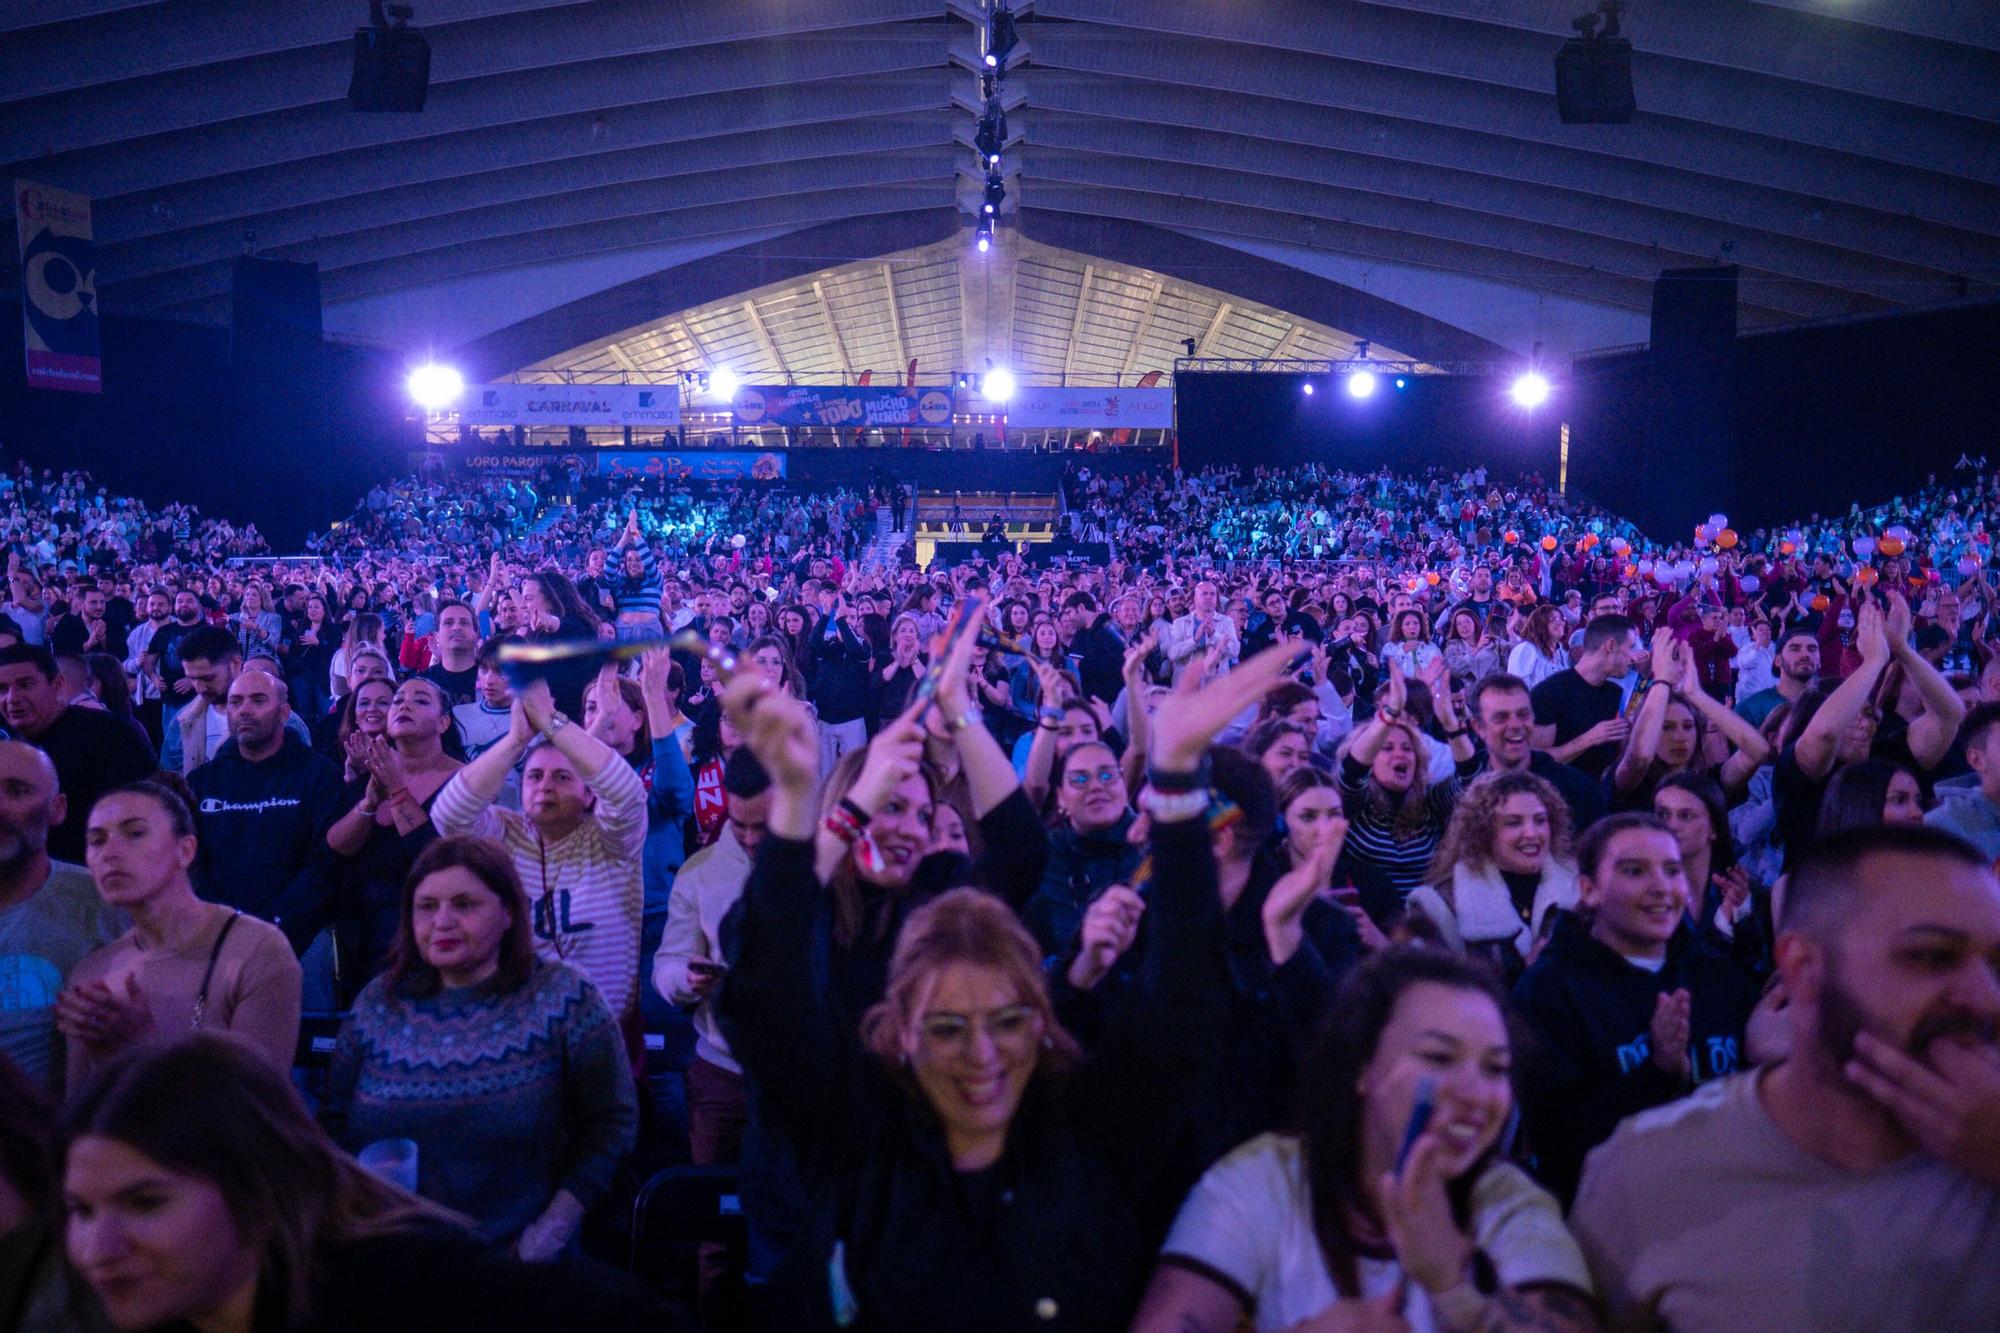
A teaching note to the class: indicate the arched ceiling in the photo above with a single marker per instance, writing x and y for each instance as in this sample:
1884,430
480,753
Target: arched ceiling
1073,319
1844,153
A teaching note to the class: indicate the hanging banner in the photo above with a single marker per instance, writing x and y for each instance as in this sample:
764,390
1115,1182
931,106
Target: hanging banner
58,288
1037,406
571,405
842,405
691,465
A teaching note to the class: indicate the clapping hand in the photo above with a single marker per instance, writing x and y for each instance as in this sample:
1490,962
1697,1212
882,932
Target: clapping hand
104,1020
1110,925
1672,1013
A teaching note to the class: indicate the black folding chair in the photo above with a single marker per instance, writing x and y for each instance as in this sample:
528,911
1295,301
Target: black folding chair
676,1212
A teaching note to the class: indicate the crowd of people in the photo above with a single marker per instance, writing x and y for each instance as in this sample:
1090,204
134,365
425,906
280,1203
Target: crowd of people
1361,902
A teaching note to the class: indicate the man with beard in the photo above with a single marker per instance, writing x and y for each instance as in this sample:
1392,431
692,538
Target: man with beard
146,695
1798,668
1856,1183
262,808
50,915
161,660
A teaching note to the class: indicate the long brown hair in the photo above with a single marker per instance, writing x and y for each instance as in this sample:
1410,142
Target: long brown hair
1332,1113
406,972
844,885
963,926
210,1106
1542,630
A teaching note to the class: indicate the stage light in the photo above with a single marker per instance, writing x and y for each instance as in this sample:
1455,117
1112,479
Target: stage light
1361,384
1001,37
434,387
722,384
996,194
1594,71
1530,390
984,244
1307,388
1400,381
997,385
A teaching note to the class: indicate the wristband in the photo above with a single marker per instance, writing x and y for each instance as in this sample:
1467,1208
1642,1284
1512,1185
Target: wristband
854,812
1388,713
842,826
1454,735
1175,807
1173,783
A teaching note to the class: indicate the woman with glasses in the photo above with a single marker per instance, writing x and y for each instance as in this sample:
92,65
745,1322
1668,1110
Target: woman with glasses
968,1167
1090,846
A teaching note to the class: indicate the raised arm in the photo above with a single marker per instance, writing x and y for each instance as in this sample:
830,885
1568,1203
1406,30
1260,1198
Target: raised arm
1747,746
1819,743
1372,734
1931,735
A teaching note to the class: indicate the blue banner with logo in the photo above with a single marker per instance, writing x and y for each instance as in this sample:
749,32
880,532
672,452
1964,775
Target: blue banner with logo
842,405
691,464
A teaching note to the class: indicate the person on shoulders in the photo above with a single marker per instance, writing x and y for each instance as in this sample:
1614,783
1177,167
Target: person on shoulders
1866,1162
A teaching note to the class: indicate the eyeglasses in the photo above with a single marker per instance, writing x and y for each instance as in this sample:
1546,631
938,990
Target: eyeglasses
1014,1027
1079,778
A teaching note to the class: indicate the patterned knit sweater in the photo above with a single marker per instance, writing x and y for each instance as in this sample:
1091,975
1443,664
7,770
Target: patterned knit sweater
587,889
509,1097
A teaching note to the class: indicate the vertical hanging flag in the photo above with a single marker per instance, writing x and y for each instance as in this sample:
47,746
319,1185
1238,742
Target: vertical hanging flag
58,288
1123,435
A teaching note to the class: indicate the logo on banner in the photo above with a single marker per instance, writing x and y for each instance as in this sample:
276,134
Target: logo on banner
749,406
58,289
934,408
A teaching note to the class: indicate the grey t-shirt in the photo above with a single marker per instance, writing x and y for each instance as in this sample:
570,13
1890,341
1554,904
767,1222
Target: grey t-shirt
1702,1214
42,939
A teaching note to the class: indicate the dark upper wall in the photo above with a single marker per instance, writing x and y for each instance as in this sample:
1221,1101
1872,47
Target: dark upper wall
1826,416
165,427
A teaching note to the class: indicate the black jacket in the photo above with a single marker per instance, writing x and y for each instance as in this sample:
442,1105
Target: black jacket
1102,649
839,671
262,829
1591,1013
1080,867
1048,1238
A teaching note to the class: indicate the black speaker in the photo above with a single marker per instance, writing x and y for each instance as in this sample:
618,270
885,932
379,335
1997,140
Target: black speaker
392,69
1594,81
1690,461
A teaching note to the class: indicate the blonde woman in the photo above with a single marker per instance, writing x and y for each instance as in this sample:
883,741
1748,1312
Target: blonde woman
1503,866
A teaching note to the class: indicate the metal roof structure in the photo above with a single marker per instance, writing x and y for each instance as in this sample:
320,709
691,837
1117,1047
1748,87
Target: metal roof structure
1394,169
1075,320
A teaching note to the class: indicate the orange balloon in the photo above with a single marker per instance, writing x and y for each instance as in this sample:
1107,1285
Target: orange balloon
1786,548
1820,603
1432,577
1891,546
1866,576
1631,571
1415,584
1510,536
1548,543
1727,538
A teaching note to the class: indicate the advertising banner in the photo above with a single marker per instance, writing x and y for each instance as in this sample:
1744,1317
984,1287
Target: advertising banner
692,464
855,405
58,288
571,405
1039,406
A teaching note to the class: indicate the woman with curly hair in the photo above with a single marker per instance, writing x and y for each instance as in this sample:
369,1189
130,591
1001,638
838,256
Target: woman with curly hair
1540,653
1502,868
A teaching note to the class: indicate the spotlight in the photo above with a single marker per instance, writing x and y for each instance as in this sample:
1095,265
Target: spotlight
983,235
1000,37
1361,384
722,384
1400,381
1530,390
1190,344
992,134
434,387
996,194
997,385
984,244
1307,388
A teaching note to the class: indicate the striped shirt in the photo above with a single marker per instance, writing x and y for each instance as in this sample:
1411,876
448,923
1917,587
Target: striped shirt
587,889
638,595
1399,858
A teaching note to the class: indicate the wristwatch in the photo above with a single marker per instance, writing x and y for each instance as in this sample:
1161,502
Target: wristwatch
557,721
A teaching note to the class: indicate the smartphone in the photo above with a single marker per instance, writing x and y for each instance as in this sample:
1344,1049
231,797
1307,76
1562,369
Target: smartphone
702,967
1420,1120
1346,895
